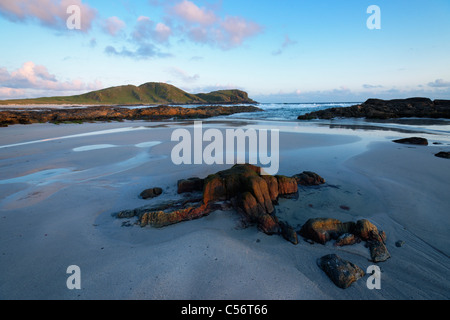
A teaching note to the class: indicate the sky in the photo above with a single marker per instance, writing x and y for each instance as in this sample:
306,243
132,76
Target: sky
278,51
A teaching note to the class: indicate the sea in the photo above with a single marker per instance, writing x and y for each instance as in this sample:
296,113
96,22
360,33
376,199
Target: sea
283,111
288,112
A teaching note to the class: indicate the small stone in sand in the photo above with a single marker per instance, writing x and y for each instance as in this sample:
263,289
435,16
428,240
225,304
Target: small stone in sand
400,243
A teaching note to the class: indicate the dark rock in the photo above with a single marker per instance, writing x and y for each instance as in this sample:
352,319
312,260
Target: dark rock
322,230
387,109
413,140
445,155
342,272
288,233
308,178
190,185
151,193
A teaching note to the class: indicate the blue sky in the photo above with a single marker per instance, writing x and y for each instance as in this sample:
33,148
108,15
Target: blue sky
278,51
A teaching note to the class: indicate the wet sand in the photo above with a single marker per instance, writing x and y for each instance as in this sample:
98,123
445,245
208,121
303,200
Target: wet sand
60,185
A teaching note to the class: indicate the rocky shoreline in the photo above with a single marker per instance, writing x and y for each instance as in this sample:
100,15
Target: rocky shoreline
387,109
108,113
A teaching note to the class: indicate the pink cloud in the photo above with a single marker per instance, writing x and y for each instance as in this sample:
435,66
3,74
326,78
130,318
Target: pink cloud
191,13
237,29
37,77
50,13
113,25
202,25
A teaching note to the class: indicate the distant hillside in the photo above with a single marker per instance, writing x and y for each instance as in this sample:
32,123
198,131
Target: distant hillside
151,93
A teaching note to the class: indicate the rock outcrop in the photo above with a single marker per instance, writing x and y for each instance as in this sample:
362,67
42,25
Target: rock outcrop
252,194
387,109
109,113
342,272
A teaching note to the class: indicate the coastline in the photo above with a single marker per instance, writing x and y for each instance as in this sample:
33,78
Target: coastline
60,215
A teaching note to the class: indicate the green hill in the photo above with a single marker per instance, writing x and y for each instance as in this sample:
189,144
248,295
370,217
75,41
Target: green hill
151,93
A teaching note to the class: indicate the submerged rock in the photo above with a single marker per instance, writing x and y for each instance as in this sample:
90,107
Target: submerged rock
342,272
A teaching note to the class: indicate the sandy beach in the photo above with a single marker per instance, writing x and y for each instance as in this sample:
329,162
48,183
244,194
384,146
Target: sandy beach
60,185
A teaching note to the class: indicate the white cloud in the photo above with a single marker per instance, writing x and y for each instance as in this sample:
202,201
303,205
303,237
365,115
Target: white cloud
183,75
439,83
146,30
287,43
